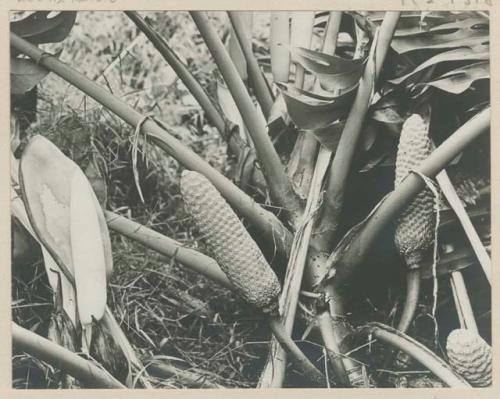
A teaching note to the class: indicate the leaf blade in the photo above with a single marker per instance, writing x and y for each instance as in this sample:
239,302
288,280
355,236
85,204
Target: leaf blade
89,263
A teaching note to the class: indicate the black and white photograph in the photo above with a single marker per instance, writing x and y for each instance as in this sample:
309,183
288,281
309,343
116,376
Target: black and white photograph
250,199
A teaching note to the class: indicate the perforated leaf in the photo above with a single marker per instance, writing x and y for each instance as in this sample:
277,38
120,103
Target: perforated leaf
335,73
41,27
470,32
310,111
459,80
480,52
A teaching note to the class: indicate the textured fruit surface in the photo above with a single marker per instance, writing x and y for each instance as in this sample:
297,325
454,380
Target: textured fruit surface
229,242
415,226
470,356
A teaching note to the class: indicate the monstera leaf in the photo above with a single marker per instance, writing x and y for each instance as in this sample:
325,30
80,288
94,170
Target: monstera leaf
476,53
459,80
25,74
311,111
40,27
468,32
335,74
413,23
388,108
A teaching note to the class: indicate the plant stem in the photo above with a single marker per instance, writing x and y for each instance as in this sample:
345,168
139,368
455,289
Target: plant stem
411,300
419,352
182,72
274,371
302,363
329,329
456,204
462,302
267,223
331,342
280,40
331,32
303,156
301,32
279,185
395,202
63,359
262,92
235,143
195,260
341,165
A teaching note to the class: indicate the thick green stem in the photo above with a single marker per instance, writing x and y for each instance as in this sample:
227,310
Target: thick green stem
261,87
396,202
341,165
267,223
300,360
279,185
411,301
63,359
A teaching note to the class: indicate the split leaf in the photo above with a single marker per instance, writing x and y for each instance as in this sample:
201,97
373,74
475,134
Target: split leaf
26,74
459,80
310,111
39,27
334,73
479,52
419,22
471,32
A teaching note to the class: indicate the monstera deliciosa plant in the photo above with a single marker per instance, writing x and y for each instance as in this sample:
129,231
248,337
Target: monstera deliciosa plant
357,153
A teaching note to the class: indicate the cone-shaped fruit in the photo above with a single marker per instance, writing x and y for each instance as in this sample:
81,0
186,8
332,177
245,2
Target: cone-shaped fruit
470,356
229,242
